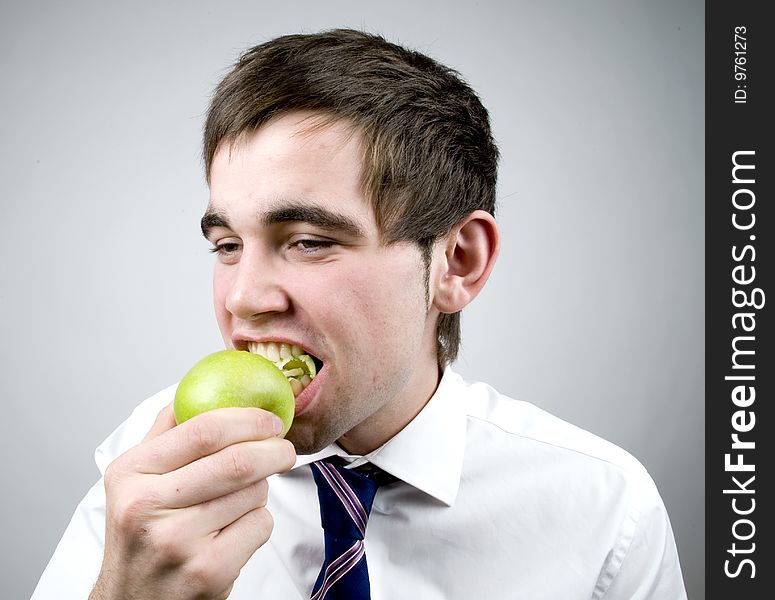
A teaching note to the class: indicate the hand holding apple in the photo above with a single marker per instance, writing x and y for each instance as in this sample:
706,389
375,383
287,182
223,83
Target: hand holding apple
186,507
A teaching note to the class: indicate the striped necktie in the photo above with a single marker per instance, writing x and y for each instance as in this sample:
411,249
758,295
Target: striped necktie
345,497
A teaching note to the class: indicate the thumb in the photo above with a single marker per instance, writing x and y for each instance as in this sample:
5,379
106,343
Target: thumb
165,421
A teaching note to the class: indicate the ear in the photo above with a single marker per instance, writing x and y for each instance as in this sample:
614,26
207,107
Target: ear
470,251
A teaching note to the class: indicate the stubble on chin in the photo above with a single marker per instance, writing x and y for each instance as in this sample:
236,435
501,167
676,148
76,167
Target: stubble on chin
309,437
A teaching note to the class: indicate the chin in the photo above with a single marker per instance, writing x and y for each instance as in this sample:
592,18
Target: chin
307,439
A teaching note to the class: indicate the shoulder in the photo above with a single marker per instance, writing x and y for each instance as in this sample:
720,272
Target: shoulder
521,425
581,500
580,488
525,447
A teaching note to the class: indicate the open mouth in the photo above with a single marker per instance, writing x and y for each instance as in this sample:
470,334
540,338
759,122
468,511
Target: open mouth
299,367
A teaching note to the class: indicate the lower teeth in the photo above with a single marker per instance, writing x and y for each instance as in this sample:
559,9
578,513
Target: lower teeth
298,368
296,386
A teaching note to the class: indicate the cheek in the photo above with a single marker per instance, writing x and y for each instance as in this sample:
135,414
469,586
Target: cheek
387,305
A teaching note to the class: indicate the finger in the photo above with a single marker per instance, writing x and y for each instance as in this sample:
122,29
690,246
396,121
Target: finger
240,540
165,421
231,469
218,563
201,436
209,518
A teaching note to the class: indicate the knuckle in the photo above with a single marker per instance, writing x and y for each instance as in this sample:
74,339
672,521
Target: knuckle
130,515
207,573
112,473
118,469
239,467
205,435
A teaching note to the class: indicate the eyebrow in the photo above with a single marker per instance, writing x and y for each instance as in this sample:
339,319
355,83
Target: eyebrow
314,215
212,219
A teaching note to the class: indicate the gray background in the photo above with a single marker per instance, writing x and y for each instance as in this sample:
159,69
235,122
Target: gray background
595,309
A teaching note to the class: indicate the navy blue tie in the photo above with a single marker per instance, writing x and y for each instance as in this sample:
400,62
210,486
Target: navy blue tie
345,497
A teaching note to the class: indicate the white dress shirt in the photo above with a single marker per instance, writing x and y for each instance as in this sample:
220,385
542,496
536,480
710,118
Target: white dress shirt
496,499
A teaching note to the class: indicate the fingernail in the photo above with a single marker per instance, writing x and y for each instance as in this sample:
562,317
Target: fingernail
278,425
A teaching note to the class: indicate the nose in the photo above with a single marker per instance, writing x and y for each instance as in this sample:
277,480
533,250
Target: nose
255,289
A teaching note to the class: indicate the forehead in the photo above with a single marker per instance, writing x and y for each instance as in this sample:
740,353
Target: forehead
296,158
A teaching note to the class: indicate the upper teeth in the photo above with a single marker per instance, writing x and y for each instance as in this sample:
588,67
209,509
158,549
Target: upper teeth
275,351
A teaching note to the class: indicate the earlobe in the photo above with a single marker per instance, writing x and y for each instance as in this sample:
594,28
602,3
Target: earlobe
470,251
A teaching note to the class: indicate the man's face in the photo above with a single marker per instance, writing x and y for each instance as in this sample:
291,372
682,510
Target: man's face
299,260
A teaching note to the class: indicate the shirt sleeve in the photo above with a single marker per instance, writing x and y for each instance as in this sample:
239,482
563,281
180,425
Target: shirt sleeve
73,569
75,564
644,564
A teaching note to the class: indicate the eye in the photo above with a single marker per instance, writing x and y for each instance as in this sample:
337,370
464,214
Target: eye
226,249
311,246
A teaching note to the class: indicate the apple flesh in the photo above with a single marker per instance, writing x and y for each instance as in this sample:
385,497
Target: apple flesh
233,378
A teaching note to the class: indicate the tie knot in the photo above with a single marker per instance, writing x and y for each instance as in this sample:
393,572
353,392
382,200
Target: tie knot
346,497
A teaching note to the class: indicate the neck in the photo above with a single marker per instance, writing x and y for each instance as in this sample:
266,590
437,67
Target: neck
383,425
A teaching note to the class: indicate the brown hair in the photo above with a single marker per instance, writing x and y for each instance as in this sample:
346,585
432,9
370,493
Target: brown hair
429,155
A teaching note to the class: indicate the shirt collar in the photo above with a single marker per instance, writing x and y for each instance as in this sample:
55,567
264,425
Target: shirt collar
428,452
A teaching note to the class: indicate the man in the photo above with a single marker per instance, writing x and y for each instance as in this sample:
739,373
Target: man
351,212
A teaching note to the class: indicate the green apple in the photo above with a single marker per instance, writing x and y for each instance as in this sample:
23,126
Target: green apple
234,378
